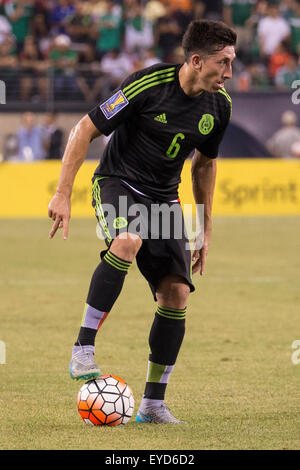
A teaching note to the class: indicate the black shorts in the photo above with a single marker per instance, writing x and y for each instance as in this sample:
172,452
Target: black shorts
165,248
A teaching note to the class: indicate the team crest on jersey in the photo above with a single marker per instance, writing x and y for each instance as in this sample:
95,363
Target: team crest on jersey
120,222
206,124
114,104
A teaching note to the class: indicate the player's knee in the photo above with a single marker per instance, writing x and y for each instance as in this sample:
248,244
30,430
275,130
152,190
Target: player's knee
173,291
126,246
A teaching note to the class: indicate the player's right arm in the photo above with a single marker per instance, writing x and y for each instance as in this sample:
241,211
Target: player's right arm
103,119
59,209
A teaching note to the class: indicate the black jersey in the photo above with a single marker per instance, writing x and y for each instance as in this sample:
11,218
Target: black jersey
155,127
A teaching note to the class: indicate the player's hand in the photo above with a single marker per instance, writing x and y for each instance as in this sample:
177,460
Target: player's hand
199,255
59,210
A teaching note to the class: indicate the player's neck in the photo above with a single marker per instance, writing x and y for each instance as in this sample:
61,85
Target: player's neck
188,83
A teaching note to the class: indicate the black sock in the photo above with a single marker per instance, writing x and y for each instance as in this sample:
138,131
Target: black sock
105,287
165,340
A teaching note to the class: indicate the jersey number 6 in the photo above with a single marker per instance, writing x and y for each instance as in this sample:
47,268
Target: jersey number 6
175,146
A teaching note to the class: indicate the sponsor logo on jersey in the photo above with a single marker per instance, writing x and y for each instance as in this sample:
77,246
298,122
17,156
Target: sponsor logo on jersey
206,124
114,104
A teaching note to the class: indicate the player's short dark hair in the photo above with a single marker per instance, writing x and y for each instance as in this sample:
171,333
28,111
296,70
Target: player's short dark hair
207,37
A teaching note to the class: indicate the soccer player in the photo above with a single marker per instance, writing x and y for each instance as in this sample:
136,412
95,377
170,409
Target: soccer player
157,117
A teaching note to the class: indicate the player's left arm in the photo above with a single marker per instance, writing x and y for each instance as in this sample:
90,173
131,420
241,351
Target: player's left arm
204,171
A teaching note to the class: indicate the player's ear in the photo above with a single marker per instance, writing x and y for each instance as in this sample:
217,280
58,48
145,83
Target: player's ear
197,62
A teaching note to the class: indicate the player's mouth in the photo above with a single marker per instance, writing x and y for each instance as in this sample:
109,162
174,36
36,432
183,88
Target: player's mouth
220,84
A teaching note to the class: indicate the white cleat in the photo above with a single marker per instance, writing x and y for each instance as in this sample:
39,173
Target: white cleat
83,365
157,415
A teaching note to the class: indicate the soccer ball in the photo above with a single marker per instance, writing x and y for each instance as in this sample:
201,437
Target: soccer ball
105,401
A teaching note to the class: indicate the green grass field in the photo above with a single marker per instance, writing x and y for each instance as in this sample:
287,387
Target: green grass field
234,381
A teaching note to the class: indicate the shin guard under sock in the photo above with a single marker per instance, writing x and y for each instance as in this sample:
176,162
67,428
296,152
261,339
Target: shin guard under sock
165,340
105,287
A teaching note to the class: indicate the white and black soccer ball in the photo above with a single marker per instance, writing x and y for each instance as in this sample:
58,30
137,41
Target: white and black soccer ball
105,401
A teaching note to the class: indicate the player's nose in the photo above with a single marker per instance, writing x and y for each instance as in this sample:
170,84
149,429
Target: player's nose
228,73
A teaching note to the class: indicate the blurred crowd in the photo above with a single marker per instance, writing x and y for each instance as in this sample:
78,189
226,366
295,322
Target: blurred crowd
82,49
42,137
34,140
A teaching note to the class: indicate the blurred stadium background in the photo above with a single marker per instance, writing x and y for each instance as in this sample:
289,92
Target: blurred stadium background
58,59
